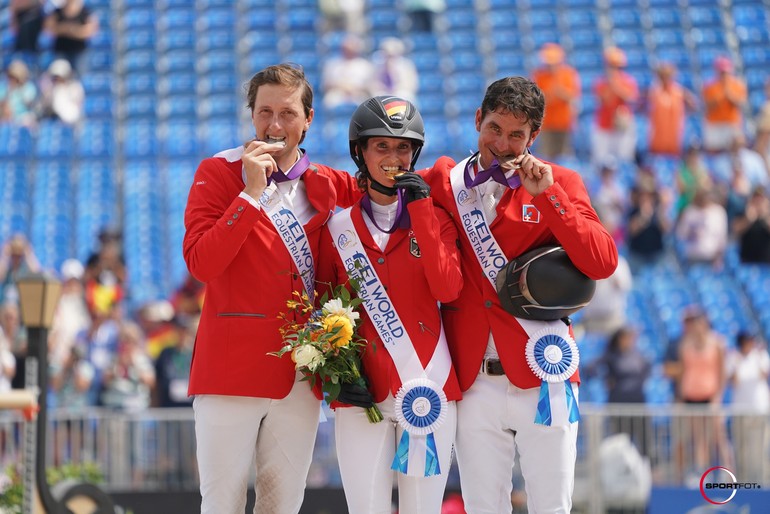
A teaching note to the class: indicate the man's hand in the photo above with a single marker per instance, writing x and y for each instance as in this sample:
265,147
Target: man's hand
536,176
258,164
413,185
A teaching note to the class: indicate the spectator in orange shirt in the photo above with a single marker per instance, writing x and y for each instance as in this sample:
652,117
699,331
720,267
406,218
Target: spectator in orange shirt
560,84
614,135
724,98
667,106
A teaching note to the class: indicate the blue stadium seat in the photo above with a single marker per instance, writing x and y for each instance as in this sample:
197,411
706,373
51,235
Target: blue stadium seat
178,18
460,19
176,39
142,38
54,140
174,61
139,139
137,18
462,62
178,83
456,41
259,41
705,16
98,105
668,38
218,135
140,82
215,61
98,60
216,19
585,39
97,82
755,55
750,15
665,17
580,18
384,20
15,141
179,139
628,38
138,61
757,35
625,18
298,19
219,106
178,107
216,84
140,106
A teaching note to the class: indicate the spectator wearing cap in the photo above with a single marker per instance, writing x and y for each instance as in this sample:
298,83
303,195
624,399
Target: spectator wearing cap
395,73
560,84
18,95
614,134
156,318
667,105
724,98
62,96
748,369
71,317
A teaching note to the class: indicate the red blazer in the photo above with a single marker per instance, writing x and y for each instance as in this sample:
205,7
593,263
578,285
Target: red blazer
416,274
565,217
234,249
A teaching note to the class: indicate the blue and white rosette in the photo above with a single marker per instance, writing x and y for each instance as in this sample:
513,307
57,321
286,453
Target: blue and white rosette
421,408
553,358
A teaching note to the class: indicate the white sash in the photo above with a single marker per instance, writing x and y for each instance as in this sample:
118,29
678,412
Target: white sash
420,403
558,405
292,234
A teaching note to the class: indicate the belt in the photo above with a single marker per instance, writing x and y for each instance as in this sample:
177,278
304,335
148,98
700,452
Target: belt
492,367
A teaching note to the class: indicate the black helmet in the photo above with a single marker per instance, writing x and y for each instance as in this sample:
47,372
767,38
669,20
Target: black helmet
386,116
543,284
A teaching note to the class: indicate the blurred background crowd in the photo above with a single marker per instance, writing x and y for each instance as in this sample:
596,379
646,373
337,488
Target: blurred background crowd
107,106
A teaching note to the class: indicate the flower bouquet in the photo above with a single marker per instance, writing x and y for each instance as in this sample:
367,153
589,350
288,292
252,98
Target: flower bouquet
325,347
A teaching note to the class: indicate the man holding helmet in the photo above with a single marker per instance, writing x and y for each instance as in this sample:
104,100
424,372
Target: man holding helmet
402,251
516,373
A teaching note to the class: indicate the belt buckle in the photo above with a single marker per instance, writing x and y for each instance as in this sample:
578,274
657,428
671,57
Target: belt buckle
485,367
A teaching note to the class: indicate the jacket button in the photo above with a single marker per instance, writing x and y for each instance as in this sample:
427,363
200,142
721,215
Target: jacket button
240,208
488,304
229,222
557,204
553,197
381,260
561,211
235,215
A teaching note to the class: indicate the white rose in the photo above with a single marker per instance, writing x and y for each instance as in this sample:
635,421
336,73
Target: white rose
307,356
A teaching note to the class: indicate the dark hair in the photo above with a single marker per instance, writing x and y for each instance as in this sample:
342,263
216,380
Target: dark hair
285,74
613,345
518,96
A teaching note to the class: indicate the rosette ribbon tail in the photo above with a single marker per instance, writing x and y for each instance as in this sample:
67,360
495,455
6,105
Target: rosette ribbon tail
543,414
572,404
432,466
401,459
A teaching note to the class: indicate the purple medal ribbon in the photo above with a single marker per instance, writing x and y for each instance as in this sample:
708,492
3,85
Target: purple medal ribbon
494,172
295,172
402,215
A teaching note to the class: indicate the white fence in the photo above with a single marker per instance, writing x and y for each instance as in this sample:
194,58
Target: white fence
671,445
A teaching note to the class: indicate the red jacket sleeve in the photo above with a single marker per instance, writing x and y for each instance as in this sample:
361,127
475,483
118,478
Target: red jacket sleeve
437,238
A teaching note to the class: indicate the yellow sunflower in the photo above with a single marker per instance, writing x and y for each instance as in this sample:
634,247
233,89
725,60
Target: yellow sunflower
342,324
